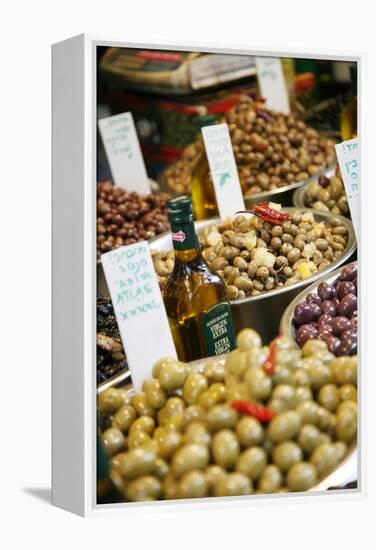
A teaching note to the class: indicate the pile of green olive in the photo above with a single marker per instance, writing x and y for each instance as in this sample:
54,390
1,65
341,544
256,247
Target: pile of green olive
182,437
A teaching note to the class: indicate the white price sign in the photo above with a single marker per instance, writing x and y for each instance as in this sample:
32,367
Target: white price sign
348,155
272,84
123,152
139,308
223,169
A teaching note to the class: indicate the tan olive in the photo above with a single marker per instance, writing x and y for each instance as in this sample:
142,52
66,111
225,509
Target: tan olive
221,417
309,438
172,375
344,370
196,433
346,424
233,484
168,442
286,454
329,397
141,405
190,456
248,339
249,431
344,405
340,450
271,479
193,484
252,462
195,384
284,426
110,400
169,487
113,440
348,392
325,420
144,488
213,473
311,347
155,395
137,438
123,418
161,363
258,383
324,458
138,462
301,476
144,423
225,448
303,393
308,411
162,468
237,393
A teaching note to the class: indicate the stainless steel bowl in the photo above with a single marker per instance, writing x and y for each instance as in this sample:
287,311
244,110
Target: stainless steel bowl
286,327
347,471
262,312
298,196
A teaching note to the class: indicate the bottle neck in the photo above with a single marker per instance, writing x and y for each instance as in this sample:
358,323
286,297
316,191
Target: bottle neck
185,241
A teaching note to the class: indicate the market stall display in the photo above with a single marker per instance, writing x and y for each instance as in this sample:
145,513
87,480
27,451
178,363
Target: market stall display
261,420
326,195
327,310
111,358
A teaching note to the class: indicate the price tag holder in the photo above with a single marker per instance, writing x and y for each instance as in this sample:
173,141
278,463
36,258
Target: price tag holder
223,169
123,152
272,84
348,155
139,308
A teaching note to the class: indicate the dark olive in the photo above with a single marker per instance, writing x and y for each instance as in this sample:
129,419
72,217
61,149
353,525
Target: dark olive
304,333
340,324
329,308
346,287
312,297
333,343
349,273
326,291
347,305
303,313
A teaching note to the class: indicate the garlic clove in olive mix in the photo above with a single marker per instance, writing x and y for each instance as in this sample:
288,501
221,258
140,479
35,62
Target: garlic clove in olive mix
230,432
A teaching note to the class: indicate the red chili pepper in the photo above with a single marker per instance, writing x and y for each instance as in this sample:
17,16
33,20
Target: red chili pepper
251,409
267,214
269,364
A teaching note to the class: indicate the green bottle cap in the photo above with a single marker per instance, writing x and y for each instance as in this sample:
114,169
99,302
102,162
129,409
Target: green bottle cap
180,210
206,120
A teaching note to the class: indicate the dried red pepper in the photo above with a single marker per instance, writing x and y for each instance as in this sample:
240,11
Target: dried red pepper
269,364
267,214
251,409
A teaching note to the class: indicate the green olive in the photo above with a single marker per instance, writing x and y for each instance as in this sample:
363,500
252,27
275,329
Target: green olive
283,375
329,397
258,383
271,479
348,392
138,462
344,370
308,412
286,393
303,393
113,440
325,419
207,400
346,424
123,418
340,450
219,391
190,456
193,413
137,438
155,395
249,431
277,405
144,488
252,462
172,375
141,405
319,372
173,406
237,392
311,347
300,377
193,484
308,438
161,468
214,371
236,362
248,339
110,400
221,417
301,476
161,363
168,442
213,473
196,433
324,458
194,385
284,426
170,487
232,485
286,454
225,448
256,357
143,423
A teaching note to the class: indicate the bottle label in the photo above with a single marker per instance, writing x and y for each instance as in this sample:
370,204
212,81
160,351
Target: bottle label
217,330
184,237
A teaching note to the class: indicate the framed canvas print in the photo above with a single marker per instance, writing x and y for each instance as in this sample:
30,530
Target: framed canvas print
206,275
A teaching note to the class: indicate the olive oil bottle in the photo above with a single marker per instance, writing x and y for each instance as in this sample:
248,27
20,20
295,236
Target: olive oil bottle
203,194
195,297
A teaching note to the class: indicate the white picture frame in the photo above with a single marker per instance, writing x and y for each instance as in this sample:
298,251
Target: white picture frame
74,425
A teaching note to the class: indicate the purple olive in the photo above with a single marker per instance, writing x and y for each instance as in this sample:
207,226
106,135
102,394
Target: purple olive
326,333
347,347
326,291
324,321
314,298
328,307
333,344
349,333
315,311
304,333
346,287
349,273
323,181
348,305
335,302
340,324
302,313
